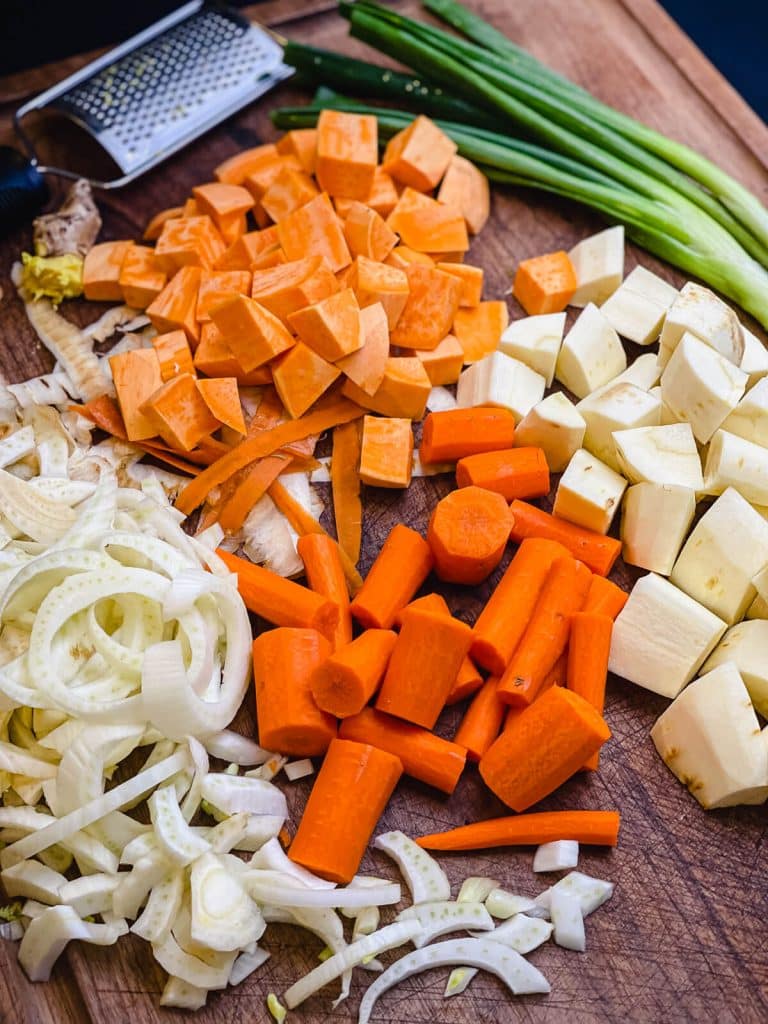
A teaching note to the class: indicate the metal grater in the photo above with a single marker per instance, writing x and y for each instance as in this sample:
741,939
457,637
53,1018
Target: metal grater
166,86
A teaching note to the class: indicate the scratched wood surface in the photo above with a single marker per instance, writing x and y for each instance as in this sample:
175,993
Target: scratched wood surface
684,938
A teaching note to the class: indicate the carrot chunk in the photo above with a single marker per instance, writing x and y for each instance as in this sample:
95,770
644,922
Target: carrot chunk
175,307
301,376
545,284
468,532
433,301
367,234
344,683
512,473
216,286
466,189
374,282
101,271
425,225
331,327
325,575
479,330
174,354
293,285
137,376
314,230
455,433
594,828
347,153
400,568
141,280
468,682
179,414
189,242
386,458
223,399
252,333
482,722
605,598
589,646
419,155
595,550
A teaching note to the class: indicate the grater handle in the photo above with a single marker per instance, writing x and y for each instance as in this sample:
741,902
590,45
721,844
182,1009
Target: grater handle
23,190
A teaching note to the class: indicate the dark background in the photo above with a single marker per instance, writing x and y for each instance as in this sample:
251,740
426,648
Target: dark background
734,34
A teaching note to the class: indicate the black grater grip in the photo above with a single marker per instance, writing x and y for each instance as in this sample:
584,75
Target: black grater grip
23,190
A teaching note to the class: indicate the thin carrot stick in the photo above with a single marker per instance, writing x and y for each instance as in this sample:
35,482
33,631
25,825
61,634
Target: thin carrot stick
482,722
468,682
281,601
542,747
512,473
265,443
400,568
595,550
424,756
589,646
321,556
345,487
546,635
605,598
594,828
347,680
352,789
251,489
289,721
502,622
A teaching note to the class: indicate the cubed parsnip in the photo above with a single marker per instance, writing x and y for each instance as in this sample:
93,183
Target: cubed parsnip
745,644
759,608
729,544
666,416
699,312
735,462
501,381
662,636
535,341
589,493
644,373
638,306
754,362
599,265
710,739
760,580
655,520
700,386
660,455
617,407
591,354
750,417
555,426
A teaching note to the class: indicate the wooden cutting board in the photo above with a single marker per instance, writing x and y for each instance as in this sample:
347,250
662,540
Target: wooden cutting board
684,937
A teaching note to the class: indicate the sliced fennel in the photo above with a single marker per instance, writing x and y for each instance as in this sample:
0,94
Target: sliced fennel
441,917
424,877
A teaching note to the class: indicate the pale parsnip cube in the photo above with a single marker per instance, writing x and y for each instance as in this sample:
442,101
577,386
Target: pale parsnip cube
599,265
745,644
700,386
734,462
618,407
589,493
661,455
555,426
591,354
698,311
662,636
637,308
754,362
750,417
535,341
655,521
501,381
666,416
644,373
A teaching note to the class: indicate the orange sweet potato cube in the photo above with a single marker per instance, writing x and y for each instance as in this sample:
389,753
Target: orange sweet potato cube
402,257
367,234
301,143
386,452
175,306
403,392
174,355
367,366
189,242
179,414
218,285
383,195
431,308
214,358
220,200
471,281
137,376
223,399
141,280
347,153
419,155
236,169
290,286
301,376
545,284
315,230
428,226
242,254
254,335
259,180
377,282
101,271
290,190
443,364
330,327
466,188
479,330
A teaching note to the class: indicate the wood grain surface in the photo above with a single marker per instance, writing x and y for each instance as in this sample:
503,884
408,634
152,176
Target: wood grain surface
684,938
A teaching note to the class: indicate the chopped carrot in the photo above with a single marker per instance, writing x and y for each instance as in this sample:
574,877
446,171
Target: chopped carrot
344,683
104,412
468,532
419,155
471,282
330,327
512,473
479,330
155,226
433,302
386,454
325,575
367,234
347,153
589,646
482,722
367,366
243,253
140,280
137,377
315,230
429,602
254,485
400,568
542,748
236,169
545,284
605,598
293,285
280,601
424,665
174,354
466,188
264,443
403,391
301,376
455,433
301,143
443,364
289,191
425,225
179,414
345,487
352,789
468,682
253,334
214,358
376,282
222,397
383,195
189,242
425,756
546,635
216,286
289,721
593,828
101,271
595,550
557,675
176,305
